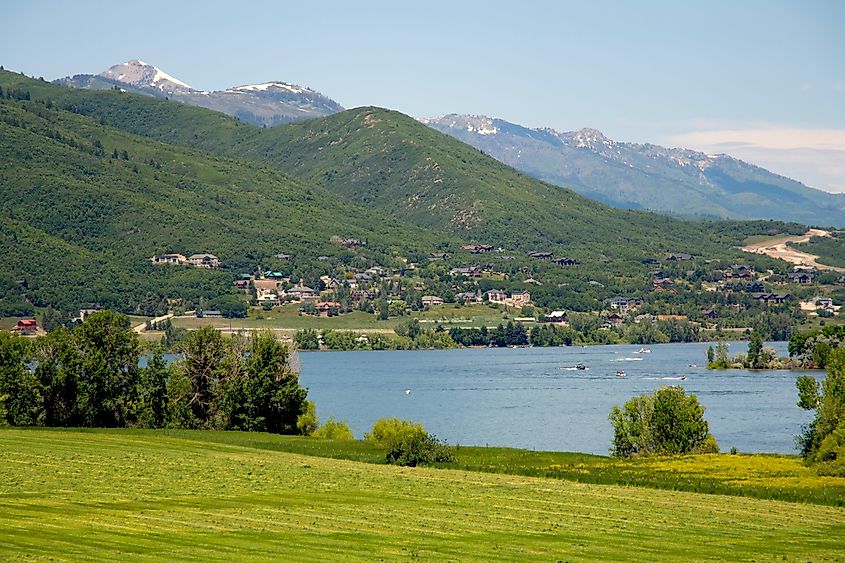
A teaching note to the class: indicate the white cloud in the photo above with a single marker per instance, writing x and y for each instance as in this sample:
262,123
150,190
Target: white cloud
815,157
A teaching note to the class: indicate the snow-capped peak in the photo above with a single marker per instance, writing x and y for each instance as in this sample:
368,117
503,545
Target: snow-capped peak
139,73
478,124
271,86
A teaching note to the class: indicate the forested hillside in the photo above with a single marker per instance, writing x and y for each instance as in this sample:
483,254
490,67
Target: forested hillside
85,206
95,182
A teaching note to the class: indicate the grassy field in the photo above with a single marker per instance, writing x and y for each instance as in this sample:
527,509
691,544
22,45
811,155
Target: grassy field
75,495
287,318
765,476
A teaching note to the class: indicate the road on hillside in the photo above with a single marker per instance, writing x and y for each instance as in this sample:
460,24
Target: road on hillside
779,248
143,326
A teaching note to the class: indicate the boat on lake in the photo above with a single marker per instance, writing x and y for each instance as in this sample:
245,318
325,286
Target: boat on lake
620,373
580,367
644,351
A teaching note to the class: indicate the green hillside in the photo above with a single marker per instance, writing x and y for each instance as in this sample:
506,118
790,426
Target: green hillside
95,182
85,206
72,495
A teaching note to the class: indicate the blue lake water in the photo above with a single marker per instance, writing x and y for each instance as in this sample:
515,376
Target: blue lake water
532,398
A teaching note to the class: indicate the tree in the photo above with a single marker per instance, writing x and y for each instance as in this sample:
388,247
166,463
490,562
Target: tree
20,393
755,348
153,411
271,399
823,440
193,388
721,361
107,362
666,422
307,339
230,306
409,328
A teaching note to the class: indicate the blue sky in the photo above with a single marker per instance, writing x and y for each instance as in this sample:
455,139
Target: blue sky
763,80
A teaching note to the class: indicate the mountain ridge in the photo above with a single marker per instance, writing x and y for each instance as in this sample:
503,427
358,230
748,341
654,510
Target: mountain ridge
266,104
676,181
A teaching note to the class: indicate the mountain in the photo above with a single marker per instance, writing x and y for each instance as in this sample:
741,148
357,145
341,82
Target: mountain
645,176
94,182
85,205
270,103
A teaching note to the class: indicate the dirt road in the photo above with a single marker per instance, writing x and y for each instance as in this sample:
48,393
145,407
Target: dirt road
778,248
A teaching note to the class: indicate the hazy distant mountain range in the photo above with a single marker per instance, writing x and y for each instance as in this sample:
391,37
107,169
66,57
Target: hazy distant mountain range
680,182
270,103
676,181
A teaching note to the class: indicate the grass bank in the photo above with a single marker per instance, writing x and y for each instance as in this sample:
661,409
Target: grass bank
74,495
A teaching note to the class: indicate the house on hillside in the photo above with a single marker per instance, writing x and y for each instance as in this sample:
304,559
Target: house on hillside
565,261
470,272
173,258
558,317
496,296
210,314
429,300
662,284
327,308
672,318
204,261
541,255
754,287
614,319
818,304
800,277
438,256
770,298
678,257
520,297
26,327
303,293
624,303
330,282
478,248
468,297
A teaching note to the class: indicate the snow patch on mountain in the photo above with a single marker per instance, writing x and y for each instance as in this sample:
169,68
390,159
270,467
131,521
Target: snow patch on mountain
139,73
292,88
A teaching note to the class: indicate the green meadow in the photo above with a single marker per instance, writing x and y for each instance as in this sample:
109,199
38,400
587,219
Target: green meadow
116,495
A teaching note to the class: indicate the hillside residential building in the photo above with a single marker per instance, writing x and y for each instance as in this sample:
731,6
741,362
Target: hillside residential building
26,326
303,293
800,277
520,297
204,261
479,248
496,296
558,317
177,259
624,303
429,300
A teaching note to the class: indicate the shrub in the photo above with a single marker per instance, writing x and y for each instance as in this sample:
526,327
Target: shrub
666,422
408,443
334,430
414,449
307,423
387,431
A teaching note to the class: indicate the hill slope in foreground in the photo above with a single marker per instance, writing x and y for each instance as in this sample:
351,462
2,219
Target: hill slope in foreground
110,495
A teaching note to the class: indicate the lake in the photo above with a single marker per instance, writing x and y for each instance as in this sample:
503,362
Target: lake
534,398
